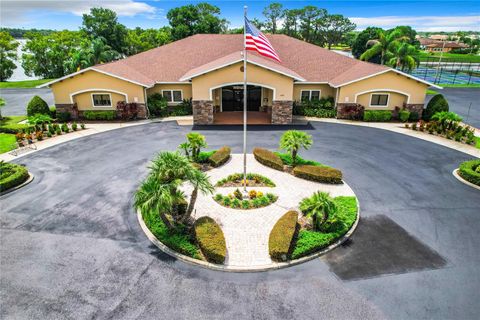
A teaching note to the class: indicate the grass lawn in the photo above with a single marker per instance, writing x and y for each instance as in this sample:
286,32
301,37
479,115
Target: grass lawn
431,91
424,56
23,84
477,142
6,142
472,85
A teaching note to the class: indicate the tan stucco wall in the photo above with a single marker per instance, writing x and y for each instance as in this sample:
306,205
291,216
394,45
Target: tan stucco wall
394,100
325,90
84,100
94,82
383,83
201,85
185,88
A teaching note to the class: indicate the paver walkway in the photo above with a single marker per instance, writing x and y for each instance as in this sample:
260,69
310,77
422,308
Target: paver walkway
247,231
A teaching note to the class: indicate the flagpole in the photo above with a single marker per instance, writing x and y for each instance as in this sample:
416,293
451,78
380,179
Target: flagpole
245,97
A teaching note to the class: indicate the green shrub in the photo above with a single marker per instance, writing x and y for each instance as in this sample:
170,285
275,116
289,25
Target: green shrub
404,115
377,115
12,175
100,115
220,156
238,178
157,105
177,238
37,106
203,156
309,242
437,104
268,158
287,160
53,112
413,116
211,240
281,239
74,126
82,125
446,116
64,116
65,128
58,132
322,108
319,174
470,171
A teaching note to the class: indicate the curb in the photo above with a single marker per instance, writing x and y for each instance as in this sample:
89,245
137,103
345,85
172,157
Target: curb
261,268
30,179
459,177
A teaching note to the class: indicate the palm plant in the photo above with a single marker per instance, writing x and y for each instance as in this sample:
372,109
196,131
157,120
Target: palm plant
99,52
196,142
383,45
404,56
292,140
76,62
200,181
185,146
319,207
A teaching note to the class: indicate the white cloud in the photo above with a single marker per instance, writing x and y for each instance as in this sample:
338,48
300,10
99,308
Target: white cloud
13,12
421,23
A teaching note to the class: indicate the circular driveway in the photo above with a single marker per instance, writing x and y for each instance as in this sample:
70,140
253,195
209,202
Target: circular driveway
71,247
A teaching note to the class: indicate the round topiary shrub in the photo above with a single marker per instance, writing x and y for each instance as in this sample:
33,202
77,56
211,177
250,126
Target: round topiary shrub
37,106
437,104
211,240
470,171
12,175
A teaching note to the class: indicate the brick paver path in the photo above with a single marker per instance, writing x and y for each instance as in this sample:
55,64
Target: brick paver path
247,231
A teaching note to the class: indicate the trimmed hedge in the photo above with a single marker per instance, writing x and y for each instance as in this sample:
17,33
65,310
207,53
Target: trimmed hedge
220,156
268,158
470,171
404,115
319,174
437,104
282,236
37,106
100,115
12,175
377,115
211,240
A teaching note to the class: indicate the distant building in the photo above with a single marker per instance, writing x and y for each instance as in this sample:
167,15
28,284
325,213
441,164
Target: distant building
432,45
441,37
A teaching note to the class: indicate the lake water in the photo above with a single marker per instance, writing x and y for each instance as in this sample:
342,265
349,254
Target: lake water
19,73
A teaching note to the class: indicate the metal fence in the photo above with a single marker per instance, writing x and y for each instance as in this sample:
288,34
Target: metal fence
448,71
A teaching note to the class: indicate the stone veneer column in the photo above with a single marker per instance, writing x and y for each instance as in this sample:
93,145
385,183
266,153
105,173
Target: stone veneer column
414,107
282,112
202,111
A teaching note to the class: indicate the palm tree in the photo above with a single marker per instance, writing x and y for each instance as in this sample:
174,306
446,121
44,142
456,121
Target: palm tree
292,140
154,195
99,52
383,45
404,56
76,62
196,141
185,146
200,181
320,206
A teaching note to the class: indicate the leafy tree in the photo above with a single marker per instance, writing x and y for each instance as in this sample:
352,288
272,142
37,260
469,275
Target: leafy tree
291,22
404,56
37,106
76,62
320,206
8,53
333,28
273,12
192,19
45,56
409,33
104,23
292,140
383,45
359,46
139,40
310,19
99,52
437,104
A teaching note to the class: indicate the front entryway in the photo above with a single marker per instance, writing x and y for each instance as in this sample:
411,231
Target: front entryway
232,98
236,117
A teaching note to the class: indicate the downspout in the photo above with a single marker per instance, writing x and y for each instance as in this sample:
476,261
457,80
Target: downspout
336,100
147,112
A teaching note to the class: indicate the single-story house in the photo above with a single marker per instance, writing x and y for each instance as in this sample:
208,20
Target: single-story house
432,45
208,69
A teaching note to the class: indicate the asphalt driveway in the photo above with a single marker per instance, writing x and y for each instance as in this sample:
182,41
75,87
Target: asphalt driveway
16,100
71,247
463,101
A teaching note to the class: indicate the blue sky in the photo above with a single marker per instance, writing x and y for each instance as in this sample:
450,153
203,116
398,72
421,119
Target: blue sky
422,15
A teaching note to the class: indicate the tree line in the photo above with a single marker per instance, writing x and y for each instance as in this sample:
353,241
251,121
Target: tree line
101,38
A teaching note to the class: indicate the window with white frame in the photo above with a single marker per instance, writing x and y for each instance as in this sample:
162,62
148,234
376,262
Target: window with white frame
309,95
101,100
379,100
172,95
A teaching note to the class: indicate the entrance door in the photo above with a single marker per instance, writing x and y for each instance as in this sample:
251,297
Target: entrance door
232,98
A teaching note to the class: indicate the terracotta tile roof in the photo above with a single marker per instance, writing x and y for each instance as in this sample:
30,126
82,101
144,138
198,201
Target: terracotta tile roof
236,57
169,63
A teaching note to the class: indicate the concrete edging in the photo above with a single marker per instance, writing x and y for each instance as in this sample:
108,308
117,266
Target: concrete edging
273,266
459,177
30,179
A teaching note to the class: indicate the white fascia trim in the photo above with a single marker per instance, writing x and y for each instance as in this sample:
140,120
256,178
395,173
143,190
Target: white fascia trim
102,91
385,71
173,82
241,83
92,69
313,82
380,91
240,60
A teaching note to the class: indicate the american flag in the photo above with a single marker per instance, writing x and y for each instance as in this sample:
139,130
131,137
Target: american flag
255,40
